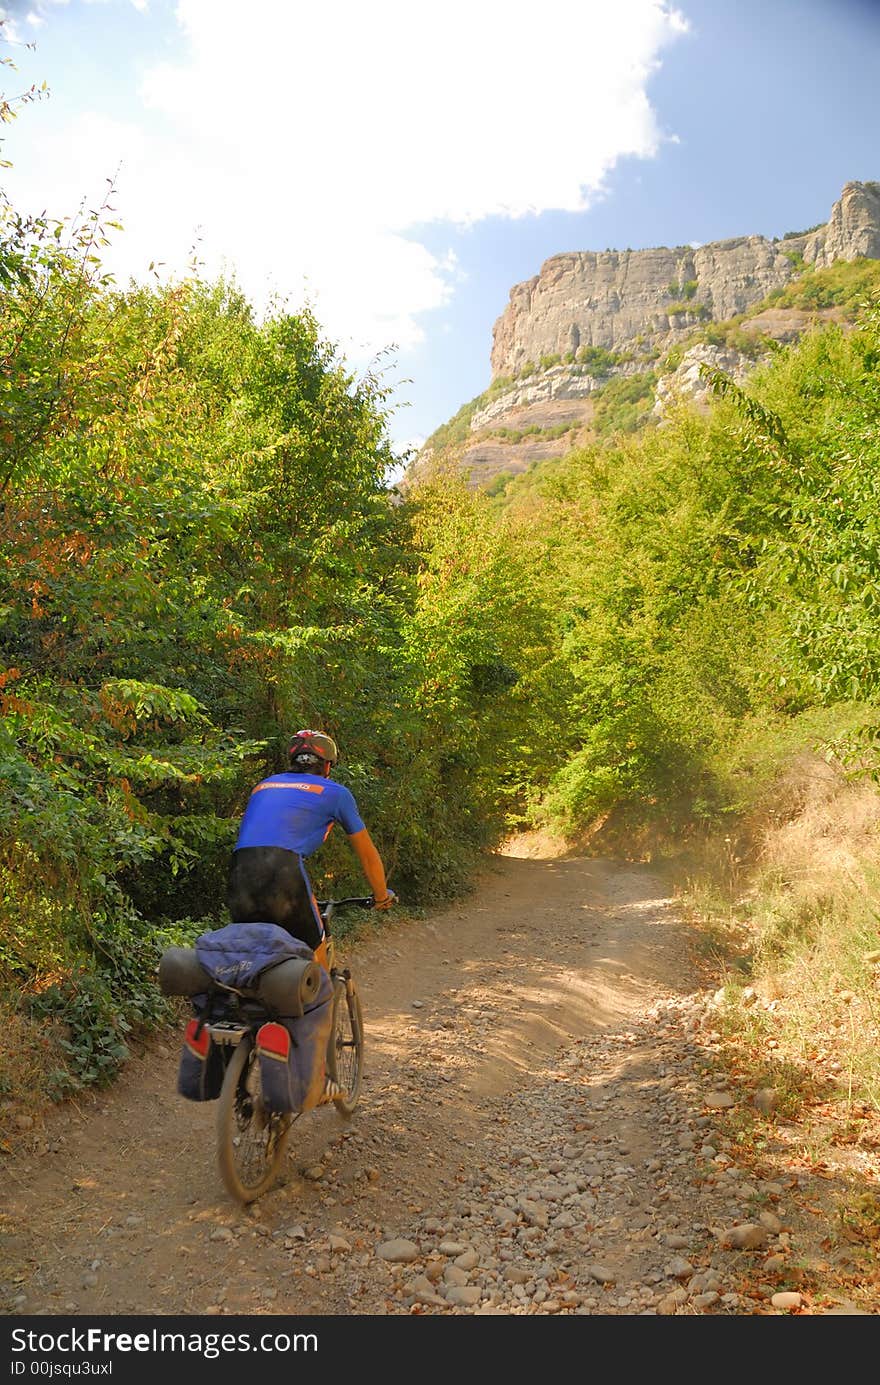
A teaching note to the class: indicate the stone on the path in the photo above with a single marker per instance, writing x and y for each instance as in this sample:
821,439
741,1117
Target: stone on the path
745,1236
719,1101
398,1251
338,1242
601,1273
765,1100
679,1268
514,1274
771,1221
705,1300
221,1233
452,1248
422,1289
465,1295
786,1301
670,1302
468,1260
315,1173
453,1275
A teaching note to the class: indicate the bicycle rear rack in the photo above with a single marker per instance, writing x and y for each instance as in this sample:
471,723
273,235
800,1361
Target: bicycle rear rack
227,1032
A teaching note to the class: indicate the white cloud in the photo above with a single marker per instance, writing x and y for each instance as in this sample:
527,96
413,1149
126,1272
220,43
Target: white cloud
310,142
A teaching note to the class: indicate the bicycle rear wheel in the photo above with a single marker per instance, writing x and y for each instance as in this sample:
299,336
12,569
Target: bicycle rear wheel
251,1141
345,1051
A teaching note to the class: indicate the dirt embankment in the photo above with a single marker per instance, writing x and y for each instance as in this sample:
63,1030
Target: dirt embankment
547,1127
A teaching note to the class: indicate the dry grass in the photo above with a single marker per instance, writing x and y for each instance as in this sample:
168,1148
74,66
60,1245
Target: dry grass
28,1053
804,903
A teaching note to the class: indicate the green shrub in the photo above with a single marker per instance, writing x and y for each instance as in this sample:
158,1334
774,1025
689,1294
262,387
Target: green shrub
790,235
697,310
685,290
597,360
624,404
845,284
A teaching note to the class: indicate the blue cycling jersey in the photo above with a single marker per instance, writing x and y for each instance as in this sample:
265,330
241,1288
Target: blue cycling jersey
297,811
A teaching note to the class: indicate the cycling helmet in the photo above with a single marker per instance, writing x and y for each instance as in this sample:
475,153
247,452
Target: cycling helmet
311,752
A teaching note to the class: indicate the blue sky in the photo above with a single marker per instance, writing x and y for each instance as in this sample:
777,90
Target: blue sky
402,166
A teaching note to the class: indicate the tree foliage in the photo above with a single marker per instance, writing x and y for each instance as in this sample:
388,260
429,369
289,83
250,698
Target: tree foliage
718,571
198,554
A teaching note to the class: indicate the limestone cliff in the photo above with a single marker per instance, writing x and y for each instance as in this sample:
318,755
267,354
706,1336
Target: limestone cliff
618,300
602,341
853,229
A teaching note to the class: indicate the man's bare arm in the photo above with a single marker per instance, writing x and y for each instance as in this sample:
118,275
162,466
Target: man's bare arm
371,864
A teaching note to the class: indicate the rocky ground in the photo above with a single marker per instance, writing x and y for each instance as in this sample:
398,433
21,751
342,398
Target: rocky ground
549,1126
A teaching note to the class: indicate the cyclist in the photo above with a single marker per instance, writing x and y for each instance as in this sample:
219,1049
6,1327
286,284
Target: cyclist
287,818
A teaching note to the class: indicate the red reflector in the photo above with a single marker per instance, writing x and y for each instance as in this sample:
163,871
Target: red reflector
273,1040
198,1043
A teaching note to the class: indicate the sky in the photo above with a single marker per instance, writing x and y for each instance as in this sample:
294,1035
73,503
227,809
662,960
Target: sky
399,166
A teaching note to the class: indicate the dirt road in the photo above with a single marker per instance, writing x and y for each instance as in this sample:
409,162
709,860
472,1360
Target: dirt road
541,1131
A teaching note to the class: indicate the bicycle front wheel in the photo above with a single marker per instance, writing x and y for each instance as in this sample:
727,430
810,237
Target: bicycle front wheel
251,1141
345,1052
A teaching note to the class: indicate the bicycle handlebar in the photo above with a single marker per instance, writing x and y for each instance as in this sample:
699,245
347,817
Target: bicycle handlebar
365,902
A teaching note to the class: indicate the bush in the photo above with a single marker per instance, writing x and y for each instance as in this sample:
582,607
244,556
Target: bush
624,403
597,360
697,310
808,231
685,290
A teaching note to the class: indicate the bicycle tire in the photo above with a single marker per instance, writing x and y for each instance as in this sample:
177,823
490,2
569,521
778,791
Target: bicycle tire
346,1032
251,1144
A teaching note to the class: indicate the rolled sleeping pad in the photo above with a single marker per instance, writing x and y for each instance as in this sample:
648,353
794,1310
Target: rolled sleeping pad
181,973
290,986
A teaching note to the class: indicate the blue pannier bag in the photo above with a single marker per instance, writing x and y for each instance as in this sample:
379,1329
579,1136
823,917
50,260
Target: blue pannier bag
292,1048
200,1072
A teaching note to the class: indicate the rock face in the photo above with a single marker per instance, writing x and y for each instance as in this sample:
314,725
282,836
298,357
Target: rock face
558,384
590,318
621,300
853,230
686,382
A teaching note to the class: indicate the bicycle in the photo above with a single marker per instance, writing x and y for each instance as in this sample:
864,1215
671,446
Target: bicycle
251,1139
346,1028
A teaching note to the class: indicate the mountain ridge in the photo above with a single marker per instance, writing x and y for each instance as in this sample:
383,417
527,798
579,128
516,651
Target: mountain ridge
601,340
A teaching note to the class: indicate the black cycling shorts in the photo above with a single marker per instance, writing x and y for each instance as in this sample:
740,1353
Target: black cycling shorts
268,884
